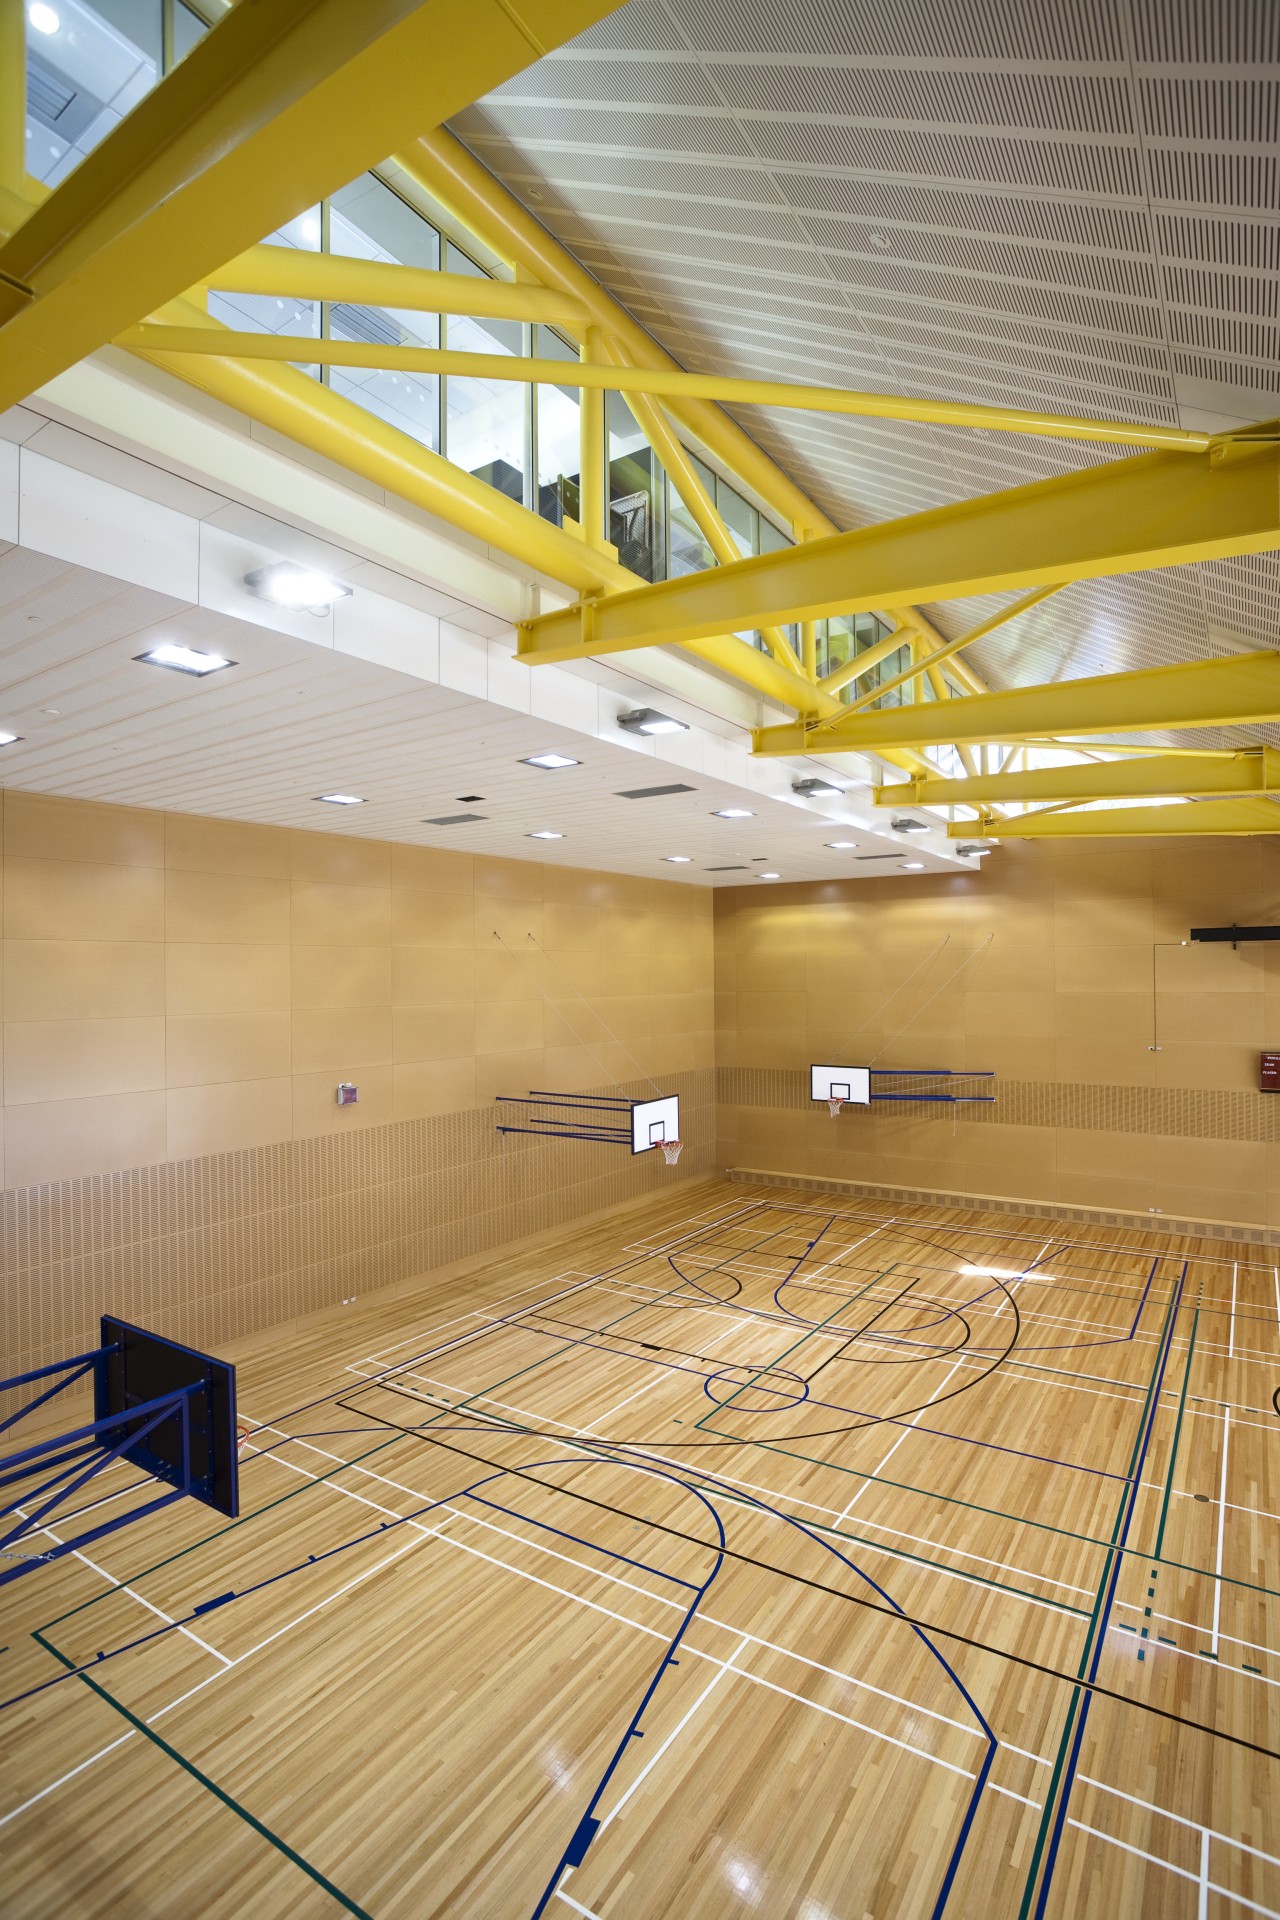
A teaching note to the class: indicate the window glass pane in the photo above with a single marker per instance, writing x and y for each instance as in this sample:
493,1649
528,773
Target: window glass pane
263,312
773,539
86,67
741,519
369,222
188,27
635,492
487,422
559,436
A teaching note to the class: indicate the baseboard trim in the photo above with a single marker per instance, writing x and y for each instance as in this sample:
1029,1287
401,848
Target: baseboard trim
1258,1236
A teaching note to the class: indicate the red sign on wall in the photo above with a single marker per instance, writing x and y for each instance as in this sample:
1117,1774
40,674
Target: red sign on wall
1269,1072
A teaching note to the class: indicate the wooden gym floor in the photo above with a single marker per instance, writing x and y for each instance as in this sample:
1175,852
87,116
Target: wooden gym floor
736,1554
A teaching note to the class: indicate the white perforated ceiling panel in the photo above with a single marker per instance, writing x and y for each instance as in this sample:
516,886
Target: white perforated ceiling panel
1072,206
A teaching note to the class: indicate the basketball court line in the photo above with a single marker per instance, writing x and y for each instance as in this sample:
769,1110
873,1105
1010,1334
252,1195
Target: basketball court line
1234,1353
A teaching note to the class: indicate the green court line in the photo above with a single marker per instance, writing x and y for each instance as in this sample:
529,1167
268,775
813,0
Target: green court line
1177,1435
1077,1695
211,1786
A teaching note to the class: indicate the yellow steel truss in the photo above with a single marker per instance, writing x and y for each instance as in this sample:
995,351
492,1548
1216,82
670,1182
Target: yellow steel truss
279,104
1251,771
1250,815
1155,510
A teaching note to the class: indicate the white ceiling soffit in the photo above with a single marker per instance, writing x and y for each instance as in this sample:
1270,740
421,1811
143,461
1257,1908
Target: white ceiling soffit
298,717
1072,206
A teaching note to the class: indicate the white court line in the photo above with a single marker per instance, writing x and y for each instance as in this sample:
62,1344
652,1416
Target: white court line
905,1435
575,1904
1202,1905
647,1769
1231,1325
573,1433
1222,1521
132,1592
202,1684
1275,1275
1204,1885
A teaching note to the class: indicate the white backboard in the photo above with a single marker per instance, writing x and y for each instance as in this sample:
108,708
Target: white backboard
845,1083
654,1120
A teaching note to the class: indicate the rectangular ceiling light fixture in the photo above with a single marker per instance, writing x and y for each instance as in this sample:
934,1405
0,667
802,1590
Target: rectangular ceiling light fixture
8,739
453,819
183,659
651,793
341,799
551,761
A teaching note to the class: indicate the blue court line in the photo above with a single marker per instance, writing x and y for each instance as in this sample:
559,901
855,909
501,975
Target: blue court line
1116,1552
610,1553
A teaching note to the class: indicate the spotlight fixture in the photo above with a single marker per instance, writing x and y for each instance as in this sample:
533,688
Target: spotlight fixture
678,859
342,799
647,720
183,659
733,813
544,833
968,849
43,18
816,789
841,846
288,585
768,876
903,825
551,761
912,866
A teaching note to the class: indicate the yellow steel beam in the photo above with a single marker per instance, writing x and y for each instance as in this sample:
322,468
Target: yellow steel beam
13,96
1233,692
279,104
297,274
1198,817
453,176
667,383
1255,770
314,416
1155,510
683,476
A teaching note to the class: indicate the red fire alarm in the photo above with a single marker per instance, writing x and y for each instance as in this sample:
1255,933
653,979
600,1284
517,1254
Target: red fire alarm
1269,1072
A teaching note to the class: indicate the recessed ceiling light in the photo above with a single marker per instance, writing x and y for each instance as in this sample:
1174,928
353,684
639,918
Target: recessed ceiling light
342,799
287,585
912,866
842,846
468,799
733,813
678,859
452,819
184,659
551,761
43,18
816,789
646,720
768,876
8,739
544,833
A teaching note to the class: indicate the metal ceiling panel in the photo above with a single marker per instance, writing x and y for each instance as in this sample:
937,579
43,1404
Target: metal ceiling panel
1074,207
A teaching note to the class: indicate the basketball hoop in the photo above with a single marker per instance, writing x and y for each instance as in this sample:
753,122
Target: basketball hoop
834,1105
671,1150
242,1438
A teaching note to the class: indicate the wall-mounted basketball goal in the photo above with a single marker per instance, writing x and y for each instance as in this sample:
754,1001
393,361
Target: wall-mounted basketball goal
163,1408
858,1086
640,1125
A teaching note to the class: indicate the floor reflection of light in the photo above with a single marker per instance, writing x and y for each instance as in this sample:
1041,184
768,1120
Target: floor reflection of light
1003,1273
742,1877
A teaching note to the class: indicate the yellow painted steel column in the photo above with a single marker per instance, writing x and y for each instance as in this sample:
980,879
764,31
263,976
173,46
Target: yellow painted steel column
809,648
13,95
591,427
